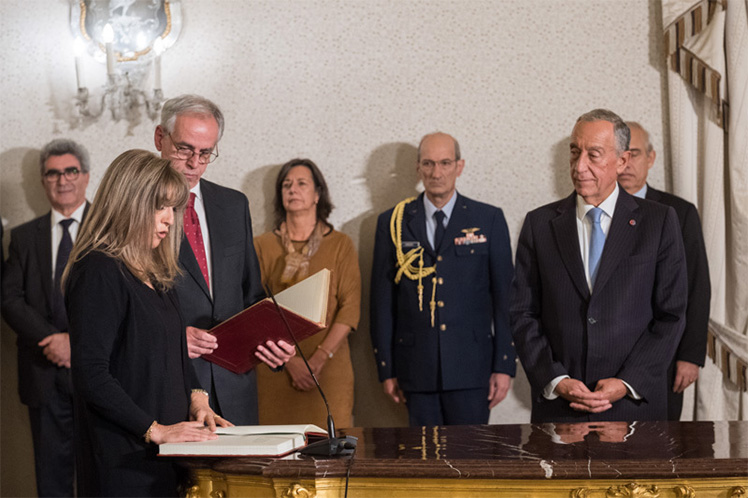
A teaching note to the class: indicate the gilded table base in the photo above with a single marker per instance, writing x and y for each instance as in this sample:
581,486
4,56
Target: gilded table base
212,484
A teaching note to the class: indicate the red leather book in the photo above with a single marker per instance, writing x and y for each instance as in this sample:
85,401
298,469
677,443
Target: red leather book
304,306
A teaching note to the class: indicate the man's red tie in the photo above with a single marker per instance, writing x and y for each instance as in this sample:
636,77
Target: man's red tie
195,236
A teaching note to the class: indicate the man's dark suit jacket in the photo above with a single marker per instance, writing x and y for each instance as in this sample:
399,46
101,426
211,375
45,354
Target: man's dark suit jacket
471,338
692,347
27,304
236,286
628,328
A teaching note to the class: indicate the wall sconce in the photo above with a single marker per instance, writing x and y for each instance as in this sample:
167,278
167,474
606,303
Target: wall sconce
129,36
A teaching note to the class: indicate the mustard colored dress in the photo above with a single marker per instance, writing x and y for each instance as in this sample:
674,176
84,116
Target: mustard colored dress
279,402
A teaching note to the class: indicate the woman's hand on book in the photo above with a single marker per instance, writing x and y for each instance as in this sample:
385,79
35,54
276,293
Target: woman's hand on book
181,432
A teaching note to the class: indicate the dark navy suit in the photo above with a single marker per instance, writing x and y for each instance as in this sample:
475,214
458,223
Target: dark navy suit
471,337
692,347
628,328
236,286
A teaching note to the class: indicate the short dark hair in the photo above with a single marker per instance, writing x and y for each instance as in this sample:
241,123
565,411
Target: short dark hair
620,128
324,205
62,146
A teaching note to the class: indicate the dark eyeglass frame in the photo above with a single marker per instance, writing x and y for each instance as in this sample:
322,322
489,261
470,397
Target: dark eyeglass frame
444,163
70,173
185,153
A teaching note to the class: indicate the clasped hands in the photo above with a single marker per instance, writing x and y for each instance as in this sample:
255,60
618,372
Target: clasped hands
200,342
580,398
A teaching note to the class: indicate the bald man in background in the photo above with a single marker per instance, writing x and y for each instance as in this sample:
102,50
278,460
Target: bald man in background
684,369
440,329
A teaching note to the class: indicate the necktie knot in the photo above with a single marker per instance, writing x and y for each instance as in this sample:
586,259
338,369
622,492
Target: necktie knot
595,214
66,223
439,217
191,202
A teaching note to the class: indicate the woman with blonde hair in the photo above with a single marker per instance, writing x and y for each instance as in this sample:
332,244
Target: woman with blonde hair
303,243
134,384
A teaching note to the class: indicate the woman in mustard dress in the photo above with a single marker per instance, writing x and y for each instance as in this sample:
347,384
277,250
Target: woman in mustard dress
303,243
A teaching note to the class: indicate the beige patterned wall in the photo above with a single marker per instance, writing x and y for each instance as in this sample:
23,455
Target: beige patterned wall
352,84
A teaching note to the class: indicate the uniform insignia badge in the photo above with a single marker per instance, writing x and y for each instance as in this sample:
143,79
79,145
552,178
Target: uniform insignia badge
471,237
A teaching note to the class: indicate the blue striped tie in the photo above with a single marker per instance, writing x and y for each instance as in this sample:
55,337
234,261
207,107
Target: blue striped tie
597,242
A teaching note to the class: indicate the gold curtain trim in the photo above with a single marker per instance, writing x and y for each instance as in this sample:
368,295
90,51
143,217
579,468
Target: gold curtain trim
692,69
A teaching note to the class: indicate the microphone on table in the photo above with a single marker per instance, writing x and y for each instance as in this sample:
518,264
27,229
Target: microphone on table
332,445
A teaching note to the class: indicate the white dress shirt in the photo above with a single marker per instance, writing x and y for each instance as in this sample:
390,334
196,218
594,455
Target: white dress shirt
584,226
431,209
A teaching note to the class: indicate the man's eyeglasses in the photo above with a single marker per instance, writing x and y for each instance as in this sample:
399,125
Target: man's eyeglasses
70,174
185,153
444,163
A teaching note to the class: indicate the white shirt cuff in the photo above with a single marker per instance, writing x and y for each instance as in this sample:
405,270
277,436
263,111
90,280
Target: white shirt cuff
631,391
549,392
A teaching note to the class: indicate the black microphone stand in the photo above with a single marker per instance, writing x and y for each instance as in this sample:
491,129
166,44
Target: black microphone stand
332,446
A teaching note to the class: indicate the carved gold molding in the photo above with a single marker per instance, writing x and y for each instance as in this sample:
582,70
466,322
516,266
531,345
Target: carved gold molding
630,490
738,492
237,485
296,490
196,492
580,493
633,490
683,491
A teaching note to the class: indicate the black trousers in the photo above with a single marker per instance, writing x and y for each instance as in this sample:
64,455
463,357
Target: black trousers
52,434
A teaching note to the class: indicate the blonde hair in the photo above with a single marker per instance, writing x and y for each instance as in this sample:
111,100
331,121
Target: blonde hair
121,221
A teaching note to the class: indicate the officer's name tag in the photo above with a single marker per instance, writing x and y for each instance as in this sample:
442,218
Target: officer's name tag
410,244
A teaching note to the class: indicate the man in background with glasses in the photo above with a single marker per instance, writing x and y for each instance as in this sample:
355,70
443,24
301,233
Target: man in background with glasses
221,272
440,297
33,306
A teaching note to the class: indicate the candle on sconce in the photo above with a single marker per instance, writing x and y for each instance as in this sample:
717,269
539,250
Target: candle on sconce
78,49
158,49
107,36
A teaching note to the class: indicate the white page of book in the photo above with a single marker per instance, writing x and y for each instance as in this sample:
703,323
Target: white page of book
226,445
243,430
308,298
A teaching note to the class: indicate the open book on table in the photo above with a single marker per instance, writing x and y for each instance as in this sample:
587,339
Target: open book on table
248,440
304,306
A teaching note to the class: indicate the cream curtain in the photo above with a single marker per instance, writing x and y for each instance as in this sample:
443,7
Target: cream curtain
707,54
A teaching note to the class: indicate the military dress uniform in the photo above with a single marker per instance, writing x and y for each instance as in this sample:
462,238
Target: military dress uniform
442,343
